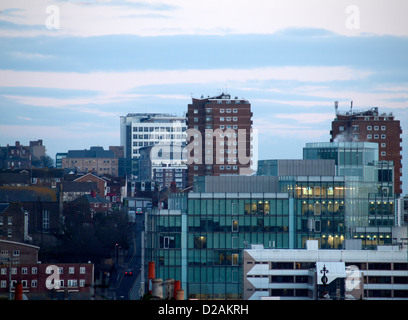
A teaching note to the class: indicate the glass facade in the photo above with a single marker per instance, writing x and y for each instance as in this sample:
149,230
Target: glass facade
319,210
218,227
200,239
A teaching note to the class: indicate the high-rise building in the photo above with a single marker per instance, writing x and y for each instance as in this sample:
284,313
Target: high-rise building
138,130
372,126
219,136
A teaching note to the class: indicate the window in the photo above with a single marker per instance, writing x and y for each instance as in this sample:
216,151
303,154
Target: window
235,110
24,270
369,136
369,128
46,220
34,283
71,270
234,225
235,259
34,270
221,110
376,128
383,136
383,145
200,242
16,253
72,283
383,128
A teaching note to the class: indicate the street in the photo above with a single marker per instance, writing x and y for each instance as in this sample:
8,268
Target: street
127,286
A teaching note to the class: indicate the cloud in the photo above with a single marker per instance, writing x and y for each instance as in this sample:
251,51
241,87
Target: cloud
307,118
121,82
97,18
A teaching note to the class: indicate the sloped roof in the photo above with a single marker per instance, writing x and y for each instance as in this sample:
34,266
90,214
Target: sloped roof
27,194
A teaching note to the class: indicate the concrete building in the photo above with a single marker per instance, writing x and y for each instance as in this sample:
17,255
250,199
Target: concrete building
352,274
164,164
220,136
372,126
138,130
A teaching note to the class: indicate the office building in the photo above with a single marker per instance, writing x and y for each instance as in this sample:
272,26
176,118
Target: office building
220,133
138,130
164,164
351,274
372,126
199,240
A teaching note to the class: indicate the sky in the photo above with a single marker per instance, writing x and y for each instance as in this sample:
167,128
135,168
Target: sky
70,69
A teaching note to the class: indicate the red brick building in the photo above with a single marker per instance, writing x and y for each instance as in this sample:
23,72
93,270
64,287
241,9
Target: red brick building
372,126
101,184
219,136
42,281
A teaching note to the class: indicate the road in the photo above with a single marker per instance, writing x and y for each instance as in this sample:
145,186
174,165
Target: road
125,287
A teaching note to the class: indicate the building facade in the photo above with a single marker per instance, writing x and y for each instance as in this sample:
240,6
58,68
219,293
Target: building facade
352,274
138,130
201,237
372,126
96,160
164,164
220,132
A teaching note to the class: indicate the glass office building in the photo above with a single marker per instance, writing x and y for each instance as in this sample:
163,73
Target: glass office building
200,239
202,244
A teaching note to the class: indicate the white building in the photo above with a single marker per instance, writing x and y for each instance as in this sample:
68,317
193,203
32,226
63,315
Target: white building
149,129
352,273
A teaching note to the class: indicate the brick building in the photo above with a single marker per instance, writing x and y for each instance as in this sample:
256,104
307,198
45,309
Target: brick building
96,160
101,184
30,214
19,264
219,136
15,157
372,126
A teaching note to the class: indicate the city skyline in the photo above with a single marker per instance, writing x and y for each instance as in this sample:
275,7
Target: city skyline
70,69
